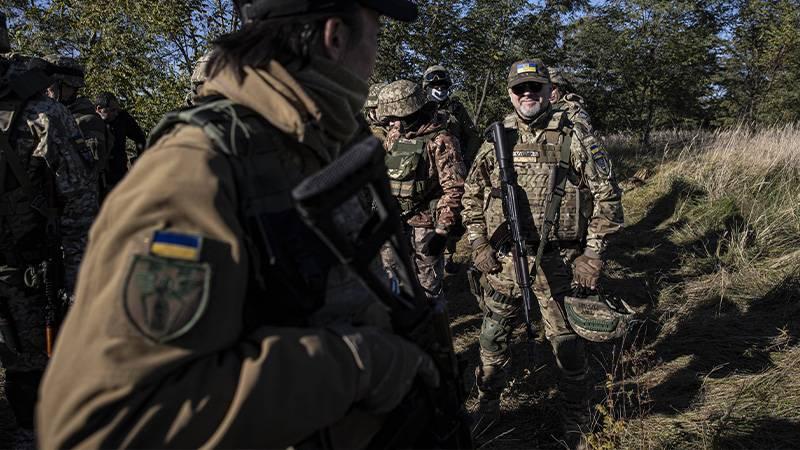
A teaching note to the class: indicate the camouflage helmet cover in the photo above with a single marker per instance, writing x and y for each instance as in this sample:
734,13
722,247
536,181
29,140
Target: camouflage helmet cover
557,77
68,70
435,73
597,319
372,97
400,99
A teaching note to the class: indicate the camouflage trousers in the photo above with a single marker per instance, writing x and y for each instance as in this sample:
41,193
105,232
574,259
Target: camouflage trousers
502,313
23,310
429,268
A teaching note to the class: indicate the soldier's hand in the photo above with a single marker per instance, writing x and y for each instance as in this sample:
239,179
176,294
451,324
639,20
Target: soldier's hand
586,271
390,365
483,256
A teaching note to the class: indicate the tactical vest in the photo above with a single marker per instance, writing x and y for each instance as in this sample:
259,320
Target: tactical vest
408,164
24,205
294,279
535,162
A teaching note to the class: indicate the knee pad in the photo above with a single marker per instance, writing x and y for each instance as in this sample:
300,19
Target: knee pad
570,353
494,335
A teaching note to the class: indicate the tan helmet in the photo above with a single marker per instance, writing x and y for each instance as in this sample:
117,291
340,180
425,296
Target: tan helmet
597,318
372,97
199,73
68,70
557,77
401,98
434,74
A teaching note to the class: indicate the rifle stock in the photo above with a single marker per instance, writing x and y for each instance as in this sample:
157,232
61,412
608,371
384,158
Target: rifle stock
433,418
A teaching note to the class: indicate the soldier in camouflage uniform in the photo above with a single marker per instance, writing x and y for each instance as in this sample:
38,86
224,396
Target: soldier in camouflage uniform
376,125
46,185
69,76
426,174
538,132
563,98
437,84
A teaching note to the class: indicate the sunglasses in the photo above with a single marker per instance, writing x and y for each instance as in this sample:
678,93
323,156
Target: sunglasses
435,76
530,86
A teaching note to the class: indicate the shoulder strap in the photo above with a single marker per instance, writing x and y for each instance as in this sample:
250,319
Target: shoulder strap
218,117
558,184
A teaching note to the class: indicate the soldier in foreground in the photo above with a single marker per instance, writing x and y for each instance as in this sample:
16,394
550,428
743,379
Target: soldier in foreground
208,315
538,133
426,173
69,76
48,201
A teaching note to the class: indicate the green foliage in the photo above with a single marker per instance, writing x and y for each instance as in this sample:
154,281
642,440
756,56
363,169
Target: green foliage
142,51
641,65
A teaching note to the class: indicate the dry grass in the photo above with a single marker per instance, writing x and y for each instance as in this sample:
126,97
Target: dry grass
716,235
711,256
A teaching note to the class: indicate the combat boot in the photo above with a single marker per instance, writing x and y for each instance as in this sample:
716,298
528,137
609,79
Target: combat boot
575,415
490,381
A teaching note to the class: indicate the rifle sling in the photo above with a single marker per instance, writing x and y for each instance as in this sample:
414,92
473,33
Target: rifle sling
557,195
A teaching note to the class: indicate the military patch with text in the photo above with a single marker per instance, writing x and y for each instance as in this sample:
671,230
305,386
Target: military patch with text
164,298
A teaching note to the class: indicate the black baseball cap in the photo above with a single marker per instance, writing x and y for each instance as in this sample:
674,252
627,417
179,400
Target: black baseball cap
403,10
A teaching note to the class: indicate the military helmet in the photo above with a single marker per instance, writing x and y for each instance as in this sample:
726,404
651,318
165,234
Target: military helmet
5,45
372,97
557,77
199,73
597,318
252,10
435,73
400,99
68,70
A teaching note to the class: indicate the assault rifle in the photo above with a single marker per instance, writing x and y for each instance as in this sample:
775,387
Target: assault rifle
427,418
52,269
496,134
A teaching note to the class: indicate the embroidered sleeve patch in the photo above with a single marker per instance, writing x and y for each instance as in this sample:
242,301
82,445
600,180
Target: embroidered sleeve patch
164,298
169,244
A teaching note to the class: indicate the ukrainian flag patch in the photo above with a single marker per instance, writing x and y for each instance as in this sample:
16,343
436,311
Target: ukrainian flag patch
527,68
168,244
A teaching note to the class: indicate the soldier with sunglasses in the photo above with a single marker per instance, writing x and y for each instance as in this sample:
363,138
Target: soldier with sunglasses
539,132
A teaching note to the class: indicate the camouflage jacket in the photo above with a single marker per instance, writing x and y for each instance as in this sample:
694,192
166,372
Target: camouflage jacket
447,170
573,105
462,127
93,129
47,132
589,168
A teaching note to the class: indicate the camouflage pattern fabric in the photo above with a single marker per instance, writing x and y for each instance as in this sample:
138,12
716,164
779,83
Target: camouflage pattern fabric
590,167
463,128
95,133
483,214
401,98
446,169
430,268
573,105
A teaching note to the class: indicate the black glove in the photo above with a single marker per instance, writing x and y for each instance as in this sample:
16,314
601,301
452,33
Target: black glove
434,243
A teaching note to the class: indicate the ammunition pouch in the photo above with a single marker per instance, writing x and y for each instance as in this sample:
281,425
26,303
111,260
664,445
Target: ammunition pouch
474,278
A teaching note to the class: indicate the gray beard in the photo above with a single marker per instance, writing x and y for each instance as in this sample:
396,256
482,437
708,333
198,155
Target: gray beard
529,113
